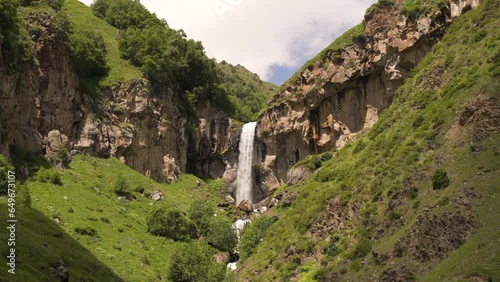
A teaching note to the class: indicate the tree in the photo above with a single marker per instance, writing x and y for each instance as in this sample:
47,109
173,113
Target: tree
440,179
171,223
88,53
221,235
190,262
201,212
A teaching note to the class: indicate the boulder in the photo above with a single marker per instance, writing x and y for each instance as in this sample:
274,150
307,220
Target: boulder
246,206
229,199
296,174
60,272
156,196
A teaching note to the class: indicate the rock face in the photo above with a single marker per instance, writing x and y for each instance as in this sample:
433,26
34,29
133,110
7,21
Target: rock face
343,93
45,112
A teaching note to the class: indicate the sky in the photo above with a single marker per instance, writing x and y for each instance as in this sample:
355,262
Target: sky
272,38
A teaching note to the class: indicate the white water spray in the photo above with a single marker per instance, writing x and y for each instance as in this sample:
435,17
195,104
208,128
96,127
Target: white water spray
244,188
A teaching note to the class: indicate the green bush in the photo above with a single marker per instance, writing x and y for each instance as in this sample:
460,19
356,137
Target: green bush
326,156
382,3
334,247
201,213
170,223
5,167
56,4
15,44
221,235
362,248
413,9
312,162
49,176
440,179
23,196
253,234
121,185
191,263
87,231
394,215
88,53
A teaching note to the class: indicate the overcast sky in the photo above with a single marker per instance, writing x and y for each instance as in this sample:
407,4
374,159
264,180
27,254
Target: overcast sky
272,38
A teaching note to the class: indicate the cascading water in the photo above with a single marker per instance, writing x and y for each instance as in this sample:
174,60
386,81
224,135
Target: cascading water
244,188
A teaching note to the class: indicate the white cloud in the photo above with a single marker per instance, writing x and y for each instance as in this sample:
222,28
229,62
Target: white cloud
261,33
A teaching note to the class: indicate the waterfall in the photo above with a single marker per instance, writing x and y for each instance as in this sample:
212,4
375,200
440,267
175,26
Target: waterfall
244,188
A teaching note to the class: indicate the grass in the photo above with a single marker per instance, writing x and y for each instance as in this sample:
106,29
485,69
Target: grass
398,156
107,233
248,93
41,243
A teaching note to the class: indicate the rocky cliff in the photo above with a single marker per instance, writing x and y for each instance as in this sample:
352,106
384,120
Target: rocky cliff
43,110
343,91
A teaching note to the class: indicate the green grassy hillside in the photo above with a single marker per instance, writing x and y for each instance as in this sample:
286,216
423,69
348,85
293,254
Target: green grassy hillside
371,212
246,90
121,247
120,70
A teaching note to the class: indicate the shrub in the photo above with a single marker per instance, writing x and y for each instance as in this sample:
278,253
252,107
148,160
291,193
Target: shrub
381,3
170,223
87,231
191,262
361,249
413,9
122,188
201,213
253,235
326,156
394,215
88,53
5,167
15,44
49,176
312,163
440,179
221,235
56,4
334,247
444,201
23,196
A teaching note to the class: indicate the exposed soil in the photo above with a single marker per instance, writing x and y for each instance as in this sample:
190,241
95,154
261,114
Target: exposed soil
484,116
435,236
337,217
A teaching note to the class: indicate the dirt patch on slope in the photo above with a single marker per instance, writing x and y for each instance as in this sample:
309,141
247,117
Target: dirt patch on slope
484,116
435,236
337,217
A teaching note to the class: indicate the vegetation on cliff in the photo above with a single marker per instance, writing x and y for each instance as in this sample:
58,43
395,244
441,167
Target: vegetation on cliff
441,131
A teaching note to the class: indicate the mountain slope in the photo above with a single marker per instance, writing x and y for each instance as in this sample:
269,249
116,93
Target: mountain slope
246,90
94,220
371,212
